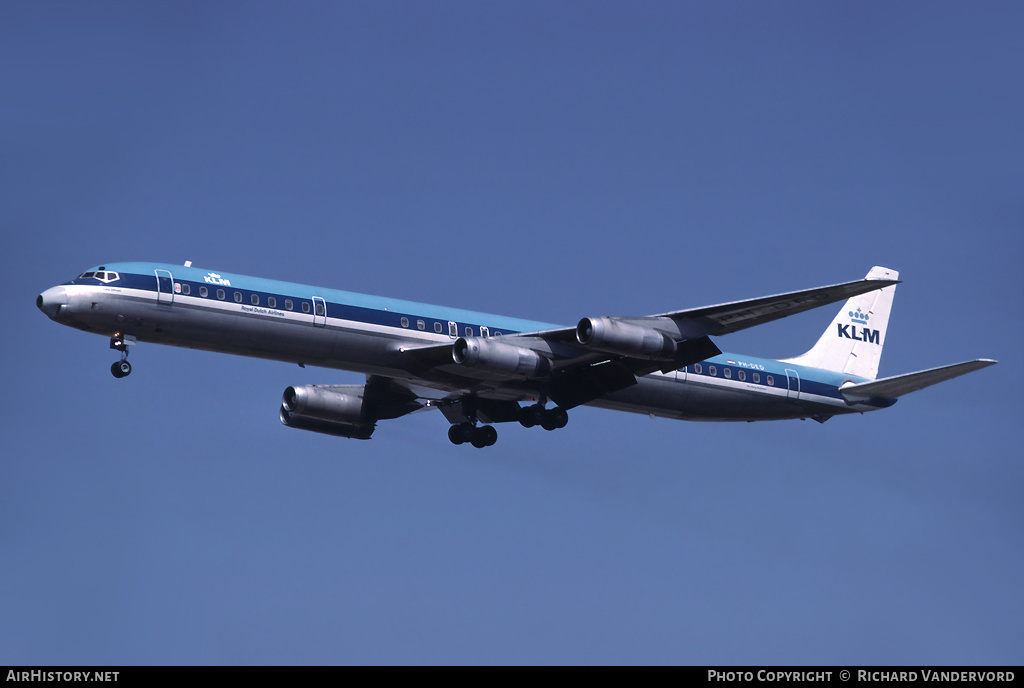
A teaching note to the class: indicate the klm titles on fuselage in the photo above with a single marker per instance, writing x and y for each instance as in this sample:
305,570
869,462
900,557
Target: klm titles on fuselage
214,278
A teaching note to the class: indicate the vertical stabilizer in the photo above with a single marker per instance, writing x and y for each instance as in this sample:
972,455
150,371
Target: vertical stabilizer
852,344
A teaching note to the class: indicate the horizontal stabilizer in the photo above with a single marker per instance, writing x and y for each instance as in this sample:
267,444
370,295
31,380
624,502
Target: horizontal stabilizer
898,385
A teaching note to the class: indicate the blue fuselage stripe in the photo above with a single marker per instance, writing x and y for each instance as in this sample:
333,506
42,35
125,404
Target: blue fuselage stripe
344,305
403,316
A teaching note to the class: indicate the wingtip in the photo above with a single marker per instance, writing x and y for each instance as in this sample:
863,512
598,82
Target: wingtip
881,273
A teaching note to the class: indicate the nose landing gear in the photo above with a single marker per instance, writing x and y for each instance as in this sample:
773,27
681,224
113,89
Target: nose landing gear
121,342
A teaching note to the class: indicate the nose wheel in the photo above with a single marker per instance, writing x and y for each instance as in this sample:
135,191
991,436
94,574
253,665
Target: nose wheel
121,343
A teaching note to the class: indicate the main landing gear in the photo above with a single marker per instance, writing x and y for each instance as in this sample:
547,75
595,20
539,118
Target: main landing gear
121,368
549,419
479,437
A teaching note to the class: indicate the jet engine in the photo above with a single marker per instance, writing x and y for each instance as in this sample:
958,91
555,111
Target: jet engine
616,337
324,410
488,354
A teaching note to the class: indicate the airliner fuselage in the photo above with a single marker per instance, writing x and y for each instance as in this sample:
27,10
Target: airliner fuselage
476,367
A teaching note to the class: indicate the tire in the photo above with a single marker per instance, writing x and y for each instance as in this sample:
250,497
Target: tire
489,435
455,434
560,417
530,416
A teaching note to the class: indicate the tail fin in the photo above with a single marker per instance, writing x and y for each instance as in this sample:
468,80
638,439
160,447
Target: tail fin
852,344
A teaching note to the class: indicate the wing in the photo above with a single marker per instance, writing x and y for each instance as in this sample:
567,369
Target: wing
574,365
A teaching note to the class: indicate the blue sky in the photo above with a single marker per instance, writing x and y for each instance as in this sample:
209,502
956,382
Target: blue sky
540,160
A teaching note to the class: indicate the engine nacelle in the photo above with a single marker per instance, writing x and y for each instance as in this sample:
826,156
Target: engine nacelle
324,410
323,403
358,431
616,337
488,354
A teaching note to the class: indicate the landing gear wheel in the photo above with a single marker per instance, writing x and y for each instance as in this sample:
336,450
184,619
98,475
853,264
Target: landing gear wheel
456,434
121,368
555,418
484,437
531,415
491,434
461,433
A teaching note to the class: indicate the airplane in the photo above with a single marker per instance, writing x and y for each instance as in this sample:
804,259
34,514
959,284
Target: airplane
480,369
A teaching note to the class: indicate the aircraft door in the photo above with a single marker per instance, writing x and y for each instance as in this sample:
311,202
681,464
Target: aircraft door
164,287
793,378
319,311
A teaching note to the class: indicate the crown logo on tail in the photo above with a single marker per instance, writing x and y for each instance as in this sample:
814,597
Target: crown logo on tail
859,317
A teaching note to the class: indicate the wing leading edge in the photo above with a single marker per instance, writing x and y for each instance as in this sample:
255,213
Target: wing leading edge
602,355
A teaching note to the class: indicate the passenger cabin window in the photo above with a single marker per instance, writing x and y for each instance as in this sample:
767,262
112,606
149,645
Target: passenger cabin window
453,329
771,380
437,327
469,331
741,375
305,306
420,325
204,292
727,372
698,369
712,371
238,297
757,377
288,304
272,302
319,308
220,294
405,322
186,289
255,298
483,331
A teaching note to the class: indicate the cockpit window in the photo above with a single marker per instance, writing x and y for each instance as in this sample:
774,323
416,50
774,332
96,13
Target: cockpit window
101,275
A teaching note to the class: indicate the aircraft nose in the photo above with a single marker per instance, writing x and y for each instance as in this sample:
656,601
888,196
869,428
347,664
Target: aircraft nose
52,301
